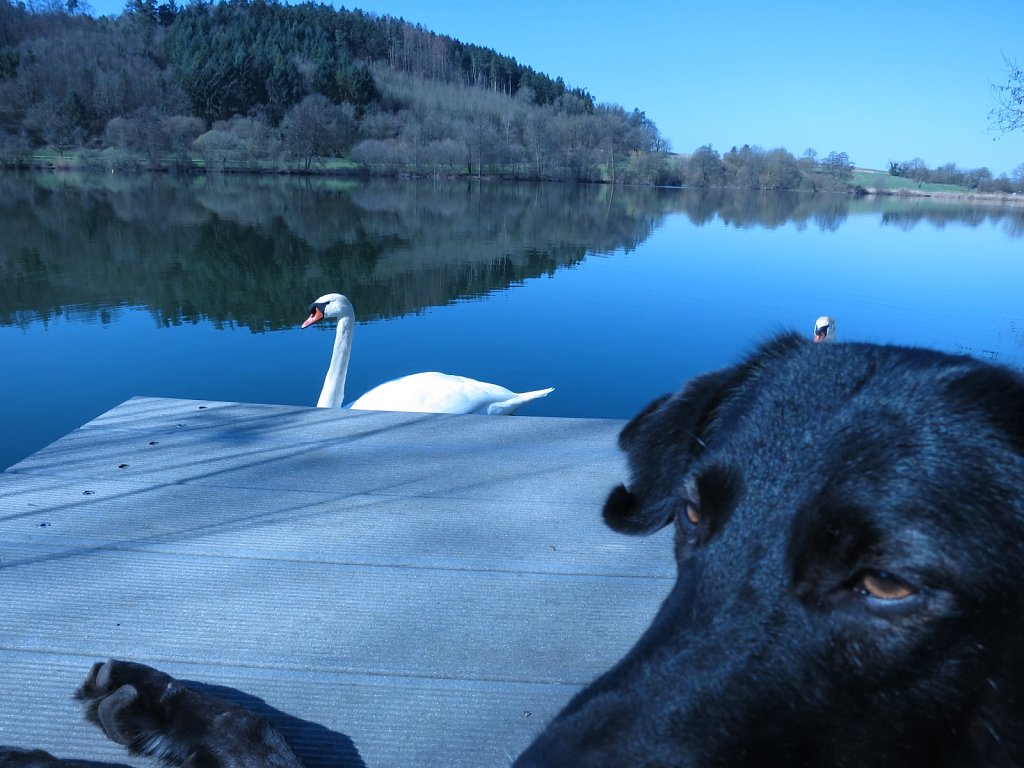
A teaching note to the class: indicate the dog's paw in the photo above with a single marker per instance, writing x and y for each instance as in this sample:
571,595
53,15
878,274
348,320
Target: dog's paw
153,714
132,704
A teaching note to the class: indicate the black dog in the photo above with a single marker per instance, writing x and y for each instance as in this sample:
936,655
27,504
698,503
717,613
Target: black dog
850,540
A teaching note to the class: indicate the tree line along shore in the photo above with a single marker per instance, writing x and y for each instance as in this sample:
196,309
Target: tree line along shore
259,86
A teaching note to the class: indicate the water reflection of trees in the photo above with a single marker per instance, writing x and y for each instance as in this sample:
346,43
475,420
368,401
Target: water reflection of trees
939,213
745,208
253,250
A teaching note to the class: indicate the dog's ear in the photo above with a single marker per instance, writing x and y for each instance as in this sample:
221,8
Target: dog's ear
998,392
663,440
660,443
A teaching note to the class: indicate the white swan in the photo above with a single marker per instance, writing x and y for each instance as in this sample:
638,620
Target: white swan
824,329
428,392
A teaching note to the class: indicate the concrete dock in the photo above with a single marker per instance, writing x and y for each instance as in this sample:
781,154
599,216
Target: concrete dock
391,589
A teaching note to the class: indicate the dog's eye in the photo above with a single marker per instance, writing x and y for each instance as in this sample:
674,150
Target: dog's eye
692,513
883,586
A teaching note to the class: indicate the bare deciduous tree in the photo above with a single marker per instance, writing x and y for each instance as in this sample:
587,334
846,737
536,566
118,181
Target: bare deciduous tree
838,166
317,128
1009,115
705,168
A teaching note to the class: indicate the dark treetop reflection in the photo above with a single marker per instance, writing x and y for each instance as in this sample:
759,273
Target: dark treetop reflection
244,250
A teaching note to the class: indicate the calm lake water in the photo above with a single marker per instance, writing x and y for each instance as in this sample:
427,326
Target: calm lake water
116,286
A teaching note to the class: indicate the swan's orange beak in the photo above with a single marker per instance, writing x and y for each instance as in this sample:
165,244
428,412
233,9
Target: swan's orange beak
315,316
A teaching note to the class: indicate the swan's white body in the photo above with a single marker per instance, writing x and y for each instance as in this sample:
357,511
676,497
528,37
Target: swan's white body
428,392
433,392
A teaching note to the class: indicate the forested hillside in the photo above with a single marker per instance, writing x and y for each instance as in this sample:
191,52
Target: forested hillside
258,85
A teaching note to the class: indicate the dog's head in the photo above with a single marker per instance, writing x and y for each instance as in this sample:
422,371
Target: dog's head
849,532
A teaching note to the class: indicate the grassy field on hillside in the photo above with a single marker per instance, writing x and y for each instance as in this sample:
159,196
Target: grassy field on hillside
882,180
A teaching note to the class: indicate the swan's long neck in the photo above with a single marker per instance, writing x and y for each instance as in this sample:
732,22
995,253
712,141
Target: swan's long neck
333,393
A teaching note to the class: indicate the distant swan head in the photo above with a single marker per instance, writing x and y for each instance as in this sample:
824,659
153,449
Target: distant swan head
824,329
328,305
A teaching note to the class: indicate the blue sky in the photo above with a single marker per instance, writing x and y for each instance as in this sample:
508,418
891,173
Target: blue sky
879,80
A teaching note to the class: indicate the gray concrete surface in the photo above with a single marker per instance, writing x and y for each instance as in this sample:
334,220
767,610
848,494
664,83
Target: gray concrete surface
392,589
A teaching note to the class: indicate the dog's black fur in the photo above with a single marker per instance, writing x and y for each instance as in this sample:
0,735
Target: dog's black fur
849,527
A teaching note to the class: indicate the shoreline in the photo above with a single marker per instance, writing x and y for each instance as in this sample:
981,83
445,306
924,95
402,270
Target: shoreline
74,165
1002,198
